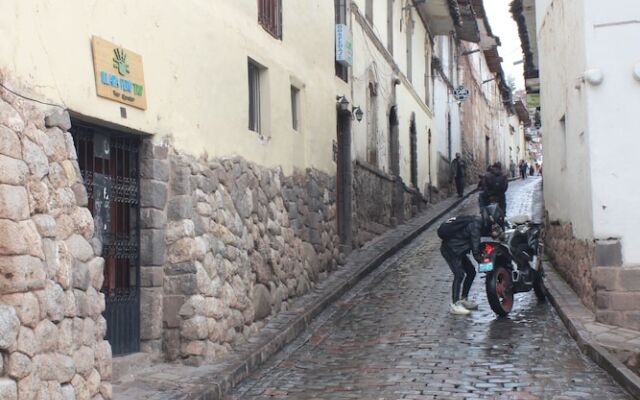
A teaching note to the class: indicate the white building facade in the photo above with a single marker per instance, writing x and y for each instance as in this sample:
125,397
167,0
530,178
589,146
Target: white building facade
589,85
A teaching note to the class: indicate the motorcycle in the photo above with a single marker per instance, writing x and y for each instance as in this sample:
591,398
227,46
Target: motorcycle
512,264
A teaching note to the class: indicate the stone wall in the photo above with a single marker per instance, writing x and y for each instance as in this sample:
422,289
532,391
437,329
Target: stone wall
381,201
617,286
51,328
225,244
595,271
373,203
573,258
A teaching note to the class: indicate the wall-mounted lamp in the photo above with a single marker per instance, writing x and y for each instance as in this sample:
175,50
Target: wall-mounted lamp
488,80
593,76
466,53
357,112
342,103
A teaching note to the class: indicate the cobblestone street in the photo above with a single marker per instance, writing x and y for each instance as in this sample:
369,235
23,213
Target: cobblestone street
391,337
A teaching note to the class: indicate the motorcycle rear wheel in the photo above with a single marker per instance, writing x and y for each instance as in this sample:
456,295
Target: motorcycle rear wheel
539,288
499,288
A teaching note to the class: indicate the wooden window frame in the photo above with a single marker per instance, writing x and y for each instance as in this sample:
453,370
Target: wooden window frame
270,17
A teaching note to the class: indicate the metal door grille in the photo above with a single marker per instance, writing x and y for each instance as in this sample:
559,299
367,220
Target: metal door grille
109,163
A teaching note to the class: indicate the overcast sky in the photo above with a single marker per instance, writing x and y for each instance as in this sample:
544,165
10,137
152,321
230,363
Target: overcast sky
505,27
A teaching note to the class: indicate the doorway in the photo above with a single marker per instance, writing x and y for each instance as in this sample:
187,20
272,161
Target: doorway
109,164
343,178
486,151
413,147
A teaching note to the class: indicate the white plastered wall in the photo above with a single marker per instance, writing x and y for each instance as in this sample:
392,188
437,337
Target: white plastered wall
195,66
612,39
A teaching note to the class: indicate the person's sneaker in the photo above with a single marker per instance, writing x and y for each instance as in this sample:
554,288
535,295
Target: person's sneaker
458,309
468,304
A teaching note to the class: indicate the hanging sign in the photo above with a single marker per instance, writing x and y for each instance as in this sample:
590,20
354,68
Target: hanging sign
118,73
461,93
344,45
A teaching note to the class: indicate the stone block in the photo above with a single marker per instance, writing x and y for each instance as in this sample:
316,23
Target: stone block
84,359
9,143
608,253
19,365
171,343
80,193
9,327
153,194
8,389
154,169
188,267
180,207
195,328
103,360
181,251
35,158
181,181
10,118
21,273
621,301
261,302
151,276
171,310
632,319
610,317
150,313
152,247
629,279
59,118
151,218
605,278
45,224
12,171
79,247
181,284
14,203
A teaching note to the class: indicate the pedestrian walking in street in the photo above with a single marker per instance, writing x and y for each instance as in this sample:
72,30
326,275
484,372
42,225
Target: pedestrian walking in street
494,185
461,236
512,168
458,169
531,170
523,169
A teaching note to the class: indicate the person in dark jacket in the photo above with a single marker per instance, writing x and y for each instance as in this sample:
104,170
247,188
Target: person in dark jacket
455,249
458,169
494,185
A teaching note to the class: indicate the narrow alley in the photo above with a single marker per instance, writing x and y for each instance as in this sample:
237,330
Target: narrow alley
391,337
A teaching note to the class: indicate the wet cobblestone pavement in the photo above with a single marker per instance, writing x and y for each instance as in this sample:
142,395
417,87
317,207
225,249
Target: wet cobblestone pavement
391,337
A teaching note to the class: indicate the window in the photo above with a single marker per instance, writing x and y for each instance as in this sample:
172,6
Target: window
390,26
563,138
270,16
342,71
372,124
368,11
254,97
428,73
409,32
295,108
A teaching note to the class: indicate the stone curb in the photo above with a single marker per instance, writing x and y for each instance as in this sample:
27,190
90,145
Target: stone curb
601,356
258,351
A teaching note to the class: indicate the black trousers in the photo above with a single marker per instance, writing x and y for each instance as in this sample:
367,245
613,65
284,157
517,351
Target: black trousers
463,272
460,185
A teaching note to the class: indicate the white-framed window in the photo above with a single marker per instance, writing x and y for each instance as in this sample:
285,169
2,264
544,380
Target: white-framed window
295,108
255,74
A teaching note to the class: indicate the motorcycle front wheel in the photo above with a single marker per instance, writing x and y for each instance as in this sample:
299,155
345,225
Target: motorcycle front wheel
500,291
